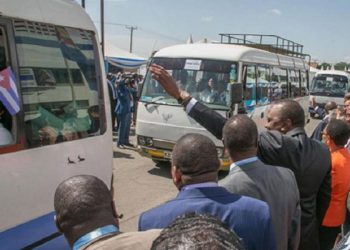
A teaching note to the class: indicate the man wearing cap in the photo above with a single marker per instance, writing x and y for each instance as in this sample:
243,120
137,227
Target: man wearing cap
194,171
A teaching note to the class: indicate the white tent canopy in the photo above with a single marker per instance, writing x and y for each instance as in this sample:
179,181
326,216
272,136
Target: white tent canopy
122,58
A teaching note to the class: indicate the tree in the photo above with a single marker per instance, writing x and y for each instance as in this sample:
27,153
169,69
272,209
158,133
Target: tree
341,66
324,66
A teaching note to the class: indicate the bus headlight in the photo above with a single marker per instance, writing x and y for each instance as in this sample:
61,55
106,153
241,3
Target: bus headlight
145,141
149,141
142,140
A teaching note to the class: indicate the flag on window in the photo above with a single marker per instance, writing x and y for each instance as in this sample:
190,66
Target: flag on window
8,91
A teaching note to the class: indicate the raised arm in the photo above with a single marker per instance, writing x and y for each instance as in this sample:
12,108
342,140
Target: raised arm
208,118
168,83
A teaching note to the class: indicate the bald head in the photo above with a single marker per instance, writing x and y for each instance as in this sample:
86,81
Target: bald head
330,106
83,203
195,154
284,115
240,135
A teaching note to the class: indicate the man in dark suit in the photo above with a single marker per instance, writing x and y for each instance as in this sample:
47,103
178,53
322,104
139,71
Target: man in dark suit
285,144
251,177
194,172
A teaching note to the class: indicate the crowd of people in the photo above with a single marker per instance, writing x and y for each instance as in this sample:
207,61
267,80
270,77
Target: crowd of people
284,190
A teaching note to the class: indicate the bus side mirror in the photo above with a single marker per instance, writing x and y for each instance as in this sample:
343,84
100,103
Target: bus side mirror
236,93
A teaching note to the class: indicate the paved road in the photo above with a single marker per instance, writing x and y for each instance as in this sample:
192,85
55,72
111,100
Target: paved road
140,184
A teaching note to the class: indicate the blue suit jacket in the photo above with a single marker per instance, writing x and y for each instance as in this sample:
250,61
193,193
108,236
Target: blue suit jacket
124,100
248,217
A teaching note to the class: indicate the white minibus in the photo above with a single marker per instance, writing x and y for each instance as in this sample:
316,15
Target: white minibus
62,128
207,71
328,85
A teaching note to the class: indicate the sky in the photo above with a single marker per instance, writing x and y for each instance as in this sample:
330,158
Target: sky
322,26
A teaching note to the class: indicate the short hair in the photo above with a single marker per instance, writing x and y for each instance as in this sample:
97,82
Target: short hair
290,109
347,97
199,232
80,198
240,134
330,106
195,154
338,131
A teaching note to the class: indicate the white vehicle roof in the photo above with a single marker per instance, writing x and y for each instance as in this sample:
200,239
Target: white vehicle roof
333,72
59,12
229,52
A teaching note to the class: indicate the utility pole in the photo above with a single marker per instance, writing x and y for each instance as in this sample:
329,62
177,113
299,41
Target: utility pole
131,28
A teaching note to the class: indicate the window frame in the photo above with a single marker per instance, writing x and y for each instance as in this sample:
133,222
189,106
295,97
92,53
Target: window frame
12,61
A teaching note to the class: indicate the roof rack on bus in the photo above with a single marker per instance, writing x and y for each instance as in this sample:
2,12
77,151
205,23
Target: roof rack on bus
271,43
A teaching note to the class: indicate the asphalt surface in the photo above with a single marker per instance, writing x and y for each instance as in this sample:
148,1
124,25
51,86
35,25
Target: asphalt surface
140,184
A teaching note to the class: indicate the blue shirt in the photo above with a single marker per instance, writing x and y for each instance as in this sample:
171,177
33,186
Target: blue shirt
243,162
199,185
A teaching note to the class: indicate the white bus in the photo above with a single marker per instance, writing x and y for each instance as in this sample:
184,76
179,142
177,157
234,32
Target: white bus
206,71
63,127
328,85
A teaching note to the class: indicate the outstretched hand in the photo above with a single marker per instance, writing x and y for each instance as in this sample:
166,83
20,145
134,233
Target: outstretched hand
168,83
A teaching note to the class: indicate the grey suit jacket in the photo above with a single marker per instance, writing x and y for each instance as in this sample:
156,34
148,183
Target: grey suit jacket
278,188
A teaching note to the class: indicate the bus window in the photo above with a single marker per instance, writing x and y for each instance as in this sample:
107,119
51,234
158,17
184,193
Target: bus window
294,80
60,91
250,87
278,84
303,83
263,85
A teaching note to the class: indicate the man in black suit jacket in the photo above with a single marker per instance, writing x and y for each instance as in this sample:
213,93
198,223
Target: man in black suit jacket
284,144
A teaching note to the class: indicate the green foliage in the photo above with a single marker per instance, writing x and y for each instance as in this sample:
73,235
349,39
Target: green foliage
337,66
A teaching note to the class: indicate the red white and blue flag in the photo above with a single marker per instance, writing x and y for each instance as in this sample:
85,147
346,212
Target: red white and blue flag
8,91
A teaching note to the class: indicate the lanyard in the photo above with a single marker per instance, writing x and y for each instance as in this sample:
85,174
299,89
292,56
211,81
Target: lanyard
93,235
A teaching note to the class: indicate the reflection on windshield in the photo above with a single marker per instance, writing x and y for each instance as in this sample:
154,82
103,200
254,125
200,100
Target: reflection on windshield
205,80
330,85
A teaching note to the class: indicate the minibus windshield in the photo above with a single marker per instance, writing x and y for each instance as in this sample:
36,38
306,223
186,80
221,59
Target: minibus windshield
205,80
329,85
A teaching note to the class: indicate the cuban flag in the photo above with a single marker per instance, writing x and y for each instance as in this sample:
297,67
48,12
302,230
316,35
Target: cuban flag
8,91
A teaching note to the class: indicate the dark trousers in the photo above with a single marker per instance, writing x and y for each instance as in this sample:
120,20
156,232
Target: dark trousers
327,236
113,104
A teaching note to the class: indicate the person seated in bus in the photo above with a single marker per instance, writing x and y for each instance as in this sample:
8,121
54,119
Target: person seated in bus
86,215
5,134
196,87
210,94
